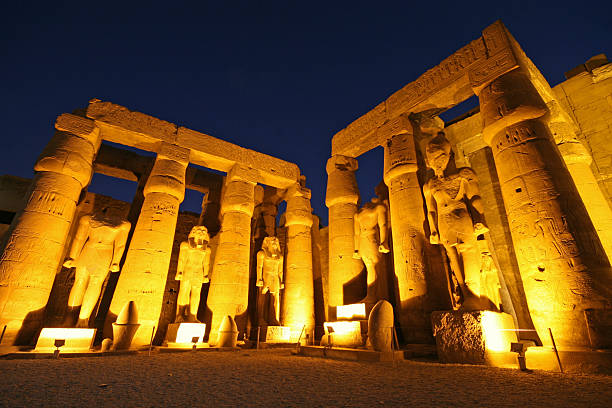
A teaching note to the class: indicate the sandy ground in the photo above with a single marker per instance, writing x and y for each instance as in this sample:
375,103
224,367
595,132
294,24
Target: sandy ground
276,378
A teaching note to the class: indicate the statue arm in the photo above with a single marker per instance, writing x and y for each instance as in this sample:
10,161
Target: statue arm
120,242
206,265
180,266
80,237
281,276
432,214
260,261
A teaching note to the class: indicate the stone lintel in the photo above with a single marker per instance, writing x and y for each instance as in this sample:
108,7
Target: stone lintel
120,125
451,82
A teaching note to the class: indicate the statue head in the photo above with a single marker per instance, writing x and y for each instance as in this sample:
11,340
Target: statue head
271,246
198,236
438,153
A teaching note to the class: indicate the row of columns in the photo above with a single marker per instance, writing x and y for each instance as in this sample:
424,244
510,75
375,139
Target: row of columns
563,268
37,240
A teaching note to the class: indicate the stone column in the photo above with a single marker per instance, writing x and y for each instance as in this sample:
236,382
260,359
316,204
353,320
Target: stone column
229,284
297,308
407,220
36,241
578,161
554,240
341,198
145,271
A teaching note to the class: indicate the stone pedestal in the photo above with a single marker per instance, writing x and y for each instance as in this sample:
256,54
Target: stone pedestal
182,334
144,274
345,334
477,337
37,237
229,284
407,220
275,334
75,340
297,307
341,199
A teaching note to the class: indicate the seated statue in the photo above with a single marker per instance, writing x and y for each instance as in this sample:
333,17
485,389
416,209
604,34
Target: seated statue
192,272
455,215
96,249
370,243
269,281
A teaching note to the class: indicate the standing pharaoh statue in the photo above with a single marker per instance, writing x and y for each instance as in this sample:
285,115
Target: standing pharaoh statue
455,215
370,242
270,282
96,250
192,272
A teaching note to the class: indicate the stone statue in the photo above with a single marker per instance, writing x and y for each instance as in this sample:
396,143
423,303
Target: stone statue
370,242
455,215
96,249
270,281
192,271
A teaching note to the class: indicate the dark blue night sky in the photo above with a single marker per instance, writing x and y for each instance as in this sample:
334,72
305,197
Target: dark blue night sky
277,77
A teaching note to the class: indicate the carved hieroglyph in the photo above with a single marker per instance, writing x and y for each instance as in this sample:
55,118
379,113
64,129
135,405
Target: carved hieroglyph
370,244
192,271
563,280
96,250
297,310
229,283
455,215
38,235
270,281
341,198
407,219
143,276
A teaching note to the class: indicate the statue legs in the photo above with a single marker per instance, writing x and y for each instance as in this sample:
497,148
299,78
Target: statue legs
188,302
90,299
464,264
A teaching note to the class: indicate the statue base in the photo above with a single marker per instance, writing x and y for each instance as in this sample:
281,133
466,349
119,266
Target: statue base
70,340
275,334
475,337
350,334
184,334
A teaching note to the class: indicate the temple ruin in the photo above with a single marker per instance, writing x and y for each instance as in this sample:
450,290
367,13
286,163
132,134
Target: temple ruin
490,235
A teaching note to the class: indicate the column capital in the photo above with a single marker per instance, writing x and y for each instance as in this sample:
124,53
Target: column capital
400,156
85,128
341,182
299,211
168,173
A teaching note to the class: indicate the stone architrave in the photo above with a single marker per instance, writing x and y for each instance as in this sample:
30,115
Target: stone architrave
297,309
145,271
407,219
229,283
39,232
561,273
341,198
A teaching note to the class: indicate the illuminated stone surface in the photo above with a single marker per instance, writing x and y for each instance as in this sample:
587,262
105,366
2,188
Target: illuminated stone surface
370,244
96,250
192,271
227,333
472,337
229,284
297,309
75,340
380,326
269,281
143,276
36,240
341,198
126,327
